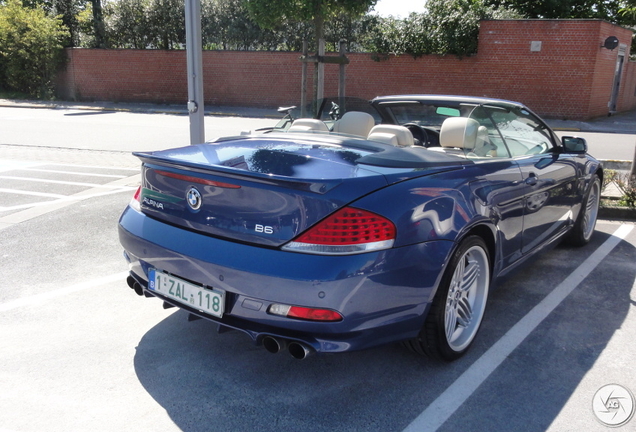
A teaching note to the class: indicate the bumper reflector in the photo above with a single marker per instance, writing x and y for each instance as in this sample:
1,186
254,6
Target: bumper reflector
304,313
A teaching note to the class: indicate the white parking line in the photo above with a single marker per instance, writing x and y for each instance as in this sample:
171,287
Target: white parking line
93,166
67,199
35,210
442,408
30,193
72,173
60,182
44,297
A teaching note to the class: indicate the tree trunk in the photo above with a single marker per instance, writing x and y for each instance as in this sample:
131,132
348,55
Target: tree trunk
319,84
98,24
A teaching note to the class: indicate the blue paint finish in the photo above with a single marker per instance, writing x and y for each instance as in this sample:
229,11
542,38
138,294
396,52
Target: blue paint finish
374,292
258,193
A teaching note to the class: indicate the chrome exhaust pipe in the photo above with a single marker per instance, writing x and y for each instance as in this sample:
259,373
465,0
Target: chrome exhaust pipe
274,345
300,351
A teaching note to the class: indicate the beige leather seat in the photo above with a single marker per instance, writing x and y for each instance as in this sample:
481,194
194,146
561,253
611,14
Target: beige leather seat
459,133
483,146
354,123
392,134
308,125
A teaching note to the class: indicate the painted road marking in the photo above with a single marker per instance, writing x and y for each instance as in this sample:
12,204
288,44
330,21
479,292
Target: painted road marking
70,199
39,299
26,211
30,193
33,211
60,182
442,408
86,174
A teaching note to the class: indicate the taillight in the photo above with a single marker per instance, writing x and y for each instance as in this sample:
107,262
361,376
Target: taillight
135,202
305,313
347,231
198,180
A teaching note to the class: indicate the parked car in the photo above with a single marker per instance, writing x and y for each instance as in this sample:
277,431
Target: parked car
325,238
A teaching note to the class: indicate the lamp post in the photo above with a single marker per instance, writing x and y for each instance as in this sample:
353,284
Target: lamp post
194,53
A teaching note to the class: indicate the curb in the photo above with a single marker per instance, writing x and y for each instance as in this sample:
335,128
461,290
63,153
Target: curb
617,213
142,108
616,165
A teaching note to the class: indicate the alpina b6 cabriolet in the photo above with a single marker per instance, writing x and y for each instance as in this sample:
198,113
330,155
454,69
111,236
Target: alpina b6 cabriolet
364,230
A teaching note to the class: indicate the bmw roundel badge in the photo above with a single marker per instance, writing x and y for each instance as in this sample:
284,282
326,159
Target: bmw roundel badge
194,198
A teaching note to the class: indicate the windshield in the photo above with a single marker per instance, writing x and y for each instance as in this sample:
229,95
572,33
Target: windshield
423,114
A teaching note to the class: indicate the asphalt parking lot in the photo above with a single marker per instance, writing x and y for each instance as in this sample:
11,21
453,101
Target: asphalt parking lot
82,352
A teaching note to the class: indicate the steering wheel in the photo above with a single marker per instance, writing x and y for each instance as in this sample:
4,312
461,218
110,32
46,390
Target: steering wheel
426,137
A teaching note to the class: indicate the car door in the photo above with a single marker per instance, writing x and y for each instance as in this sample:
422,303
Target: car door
548,176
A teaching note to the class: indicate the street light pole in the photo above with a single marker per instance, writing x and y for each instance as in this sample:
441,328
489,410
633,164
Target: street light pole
194,53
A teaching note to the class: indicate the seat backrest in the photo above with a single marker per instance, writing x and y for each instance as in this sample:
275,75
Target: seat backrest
392,134
459,132
356,123
308,125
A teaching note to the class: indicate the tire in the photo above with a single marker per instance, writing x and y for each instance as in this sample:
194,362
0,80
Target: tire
459,304
583,228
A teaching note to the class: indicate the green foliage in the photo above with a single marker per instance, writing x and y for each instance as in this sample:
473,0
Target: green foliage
447,27
625,183
226,24
271,14
31,48
601,9
142,24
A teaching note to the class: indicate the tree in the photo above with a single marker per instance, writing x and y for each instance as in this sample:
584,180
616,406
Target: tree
601,9
226,24
31,48
142,24
446,27
272,13
127,23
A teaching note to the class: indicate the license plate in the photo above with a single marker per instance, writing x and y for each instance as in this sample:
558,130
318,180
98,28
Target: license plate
206,300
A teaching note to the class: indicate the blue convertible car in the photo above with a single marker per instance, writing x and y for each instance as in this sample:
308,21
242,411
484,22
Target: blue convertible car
361,230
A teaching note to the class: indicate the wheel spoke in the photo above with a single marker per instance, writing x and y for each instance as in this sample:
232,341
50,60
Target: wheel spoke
451,322
464,313
470,275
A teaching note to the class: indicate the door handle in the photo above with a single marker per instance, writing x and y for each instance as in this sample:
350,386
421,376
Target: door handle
532,180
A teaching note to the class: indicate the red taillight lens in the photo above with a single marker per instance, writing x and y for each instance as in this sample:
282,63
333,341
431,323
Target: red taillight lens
135,202
305,313
347,231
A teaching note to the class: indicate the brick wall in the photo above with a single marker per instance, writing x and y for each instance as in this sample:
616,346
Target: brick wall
570,76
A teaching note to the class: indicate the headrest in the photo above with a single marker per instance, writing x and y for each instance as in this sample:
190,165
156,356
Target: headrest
403,136
354,123
459,132
307,124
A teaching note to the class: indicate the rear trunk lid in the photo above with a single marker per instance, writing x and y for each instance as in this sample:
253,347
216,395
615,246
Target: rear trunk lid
264,190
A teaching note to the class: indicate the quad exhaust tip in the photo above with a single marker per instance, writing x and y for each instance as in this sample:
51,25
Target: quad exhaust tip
297,350
274,345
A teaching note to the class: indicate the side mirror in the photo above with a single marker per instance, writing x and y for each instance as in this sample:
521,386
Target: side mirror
574,144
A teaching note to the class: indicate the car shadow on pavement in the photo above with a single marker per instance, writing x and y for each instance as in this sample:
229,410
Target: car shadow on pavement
208,381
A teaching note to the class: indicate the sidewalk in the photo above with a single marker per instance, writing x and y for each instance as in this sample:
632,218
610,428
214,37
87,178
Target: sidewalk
146,108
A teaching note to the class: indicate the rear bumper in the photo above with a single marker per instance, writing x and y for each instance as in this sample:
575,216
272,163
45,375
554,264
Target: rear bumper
384,296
